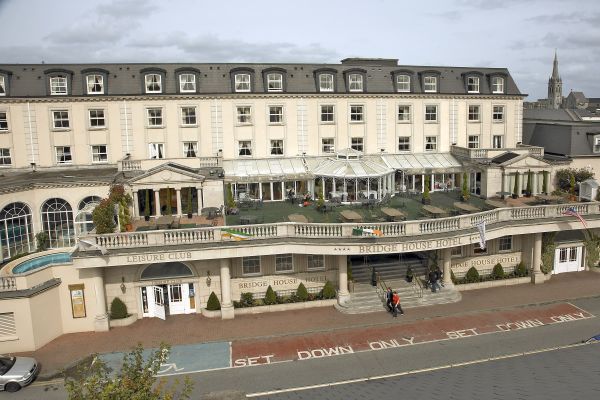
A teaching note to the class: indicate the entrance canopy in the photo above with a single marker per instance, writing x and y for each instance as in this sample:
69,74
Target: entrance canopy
422,163
166,270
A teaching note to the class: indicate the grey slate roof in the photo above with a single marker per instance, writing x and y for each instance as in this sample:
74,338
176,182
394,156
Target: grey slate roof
548,114
30,80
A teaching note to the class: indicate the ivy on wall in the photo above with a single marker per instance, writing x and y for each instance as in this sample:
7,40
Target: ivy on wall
548,247
592,250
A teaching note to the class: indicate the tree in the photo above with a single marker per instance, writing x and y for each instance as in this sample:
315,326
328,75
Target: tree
147,205
135,381
426,196
545,183
103,217
465,188
516,187
190,210
43,241
229,199
529,183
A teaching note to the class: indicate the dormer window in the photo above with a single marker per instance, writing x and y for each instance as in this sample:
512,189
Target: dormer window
274,82
430,83
153,83
2,86
497,84
326,83
403,83
187,83
355,82
95,84
242,82
58,85
472,84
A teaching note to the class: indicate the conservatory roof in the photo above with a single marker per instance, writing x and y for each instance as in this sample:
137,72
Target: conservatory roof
422,163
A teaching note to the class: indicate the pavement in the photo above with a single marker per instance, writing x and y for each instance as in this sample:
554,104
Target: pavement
484,309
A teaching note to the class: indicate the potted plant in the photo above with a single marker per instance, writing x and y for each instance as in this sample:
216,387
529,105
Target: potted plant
426,199
516,187
147,206
409,274
189,203
545,183
465,195
528,188
169,210
572,196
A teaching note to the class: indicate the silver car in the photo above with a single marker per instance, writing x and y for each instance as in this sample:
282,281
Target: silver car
17,372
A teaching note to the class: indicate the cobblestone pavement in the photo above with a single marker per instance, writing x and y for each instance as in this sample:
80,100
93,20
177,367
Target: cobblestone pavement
188,329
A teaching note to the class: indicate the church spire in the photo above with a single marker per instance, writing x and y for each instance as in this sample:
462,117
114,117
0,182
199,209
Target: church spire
555,86
555,67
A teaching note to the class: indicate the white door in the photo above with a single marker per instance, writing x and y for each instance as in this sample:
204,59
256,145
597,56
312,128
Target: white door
156,306
568,259
176,299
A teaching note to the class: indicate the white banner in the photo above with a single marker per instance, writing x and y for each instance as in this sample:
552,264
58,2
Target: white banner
481,229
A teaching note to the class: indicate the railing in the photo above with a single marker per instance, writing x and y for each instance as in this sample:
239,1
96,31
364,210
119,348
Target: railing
8,284
382,287
417,286
464,152
451,225
144,165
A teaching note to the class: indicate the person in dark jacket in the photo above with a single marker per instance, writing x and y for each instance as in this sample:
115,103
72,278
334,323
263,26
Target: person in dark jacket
389,298
432,280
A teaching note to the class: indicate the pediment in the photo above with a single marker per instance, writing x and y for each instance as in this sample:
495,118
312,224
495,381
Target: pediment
167,173
525,162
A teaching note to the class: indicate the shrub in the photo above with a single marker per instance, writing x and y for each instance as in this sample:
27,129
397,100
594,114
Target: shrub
563,177
43,241
498,272
328,291
516,190
465,188
452,277
247,300
302,293
118,309
426,195
213,303
521,269
270,297
103,217
472,275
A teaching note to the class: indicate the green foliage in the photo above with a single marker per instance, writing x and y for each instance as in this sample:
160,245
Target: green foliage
563,177
548,247
246,300
103,217
592,250
529,182
42,240
17,256
516,190
136,380
521,269
498,272
427,184
465,188
545,182
320,200
147,204
213,303
118,309
230,201
190,208
409,272
169,209
572,184
302,293
328,291
270,296
472,275
453,277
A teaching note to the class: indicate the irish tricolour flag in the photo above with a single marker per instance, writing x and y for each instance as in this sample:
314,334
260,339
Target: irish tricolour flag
361,231
237,235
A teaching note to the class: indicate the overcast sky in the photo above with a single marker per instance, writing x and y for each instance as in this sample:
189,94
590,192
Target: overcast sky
520,35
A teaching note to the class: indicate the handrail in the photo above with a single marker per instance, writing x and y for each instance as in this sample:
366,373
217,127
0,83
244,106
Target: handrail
417,286
381,286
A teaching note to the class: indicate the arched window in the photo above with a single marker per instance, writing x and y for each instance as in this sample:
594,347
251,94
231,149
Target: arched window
16,232
166,270
57,222
83,219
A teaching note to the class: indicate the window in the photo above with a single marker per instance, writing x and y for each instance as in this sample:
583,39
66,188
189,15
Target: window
431,114
472,84
315,261
2,86
430,83
3,121
284,263
473,142
188,116
277,147
355,82
58,85
175,293
274,82
57,221
404,143
474,113
456,251
190,149
403,113
326,83
245,147
275,114
153,83
95,84
403,83
18,239
596,144
244,115
430,143
242,83
63,155
498,113
156,150
60,119
155,118
562,255
572,254
97,118
5,158
497,84
497,142
505,243
357,114
357,143
187,83
251,265
328,145
327,113
99,154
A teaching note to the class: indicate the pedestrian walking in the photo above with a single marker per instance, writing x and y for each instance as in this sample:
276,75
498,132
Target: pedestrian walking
396,304
389,299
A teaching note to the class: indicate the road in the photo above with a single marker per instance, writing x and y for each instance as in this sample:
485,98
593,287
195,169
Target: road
391,360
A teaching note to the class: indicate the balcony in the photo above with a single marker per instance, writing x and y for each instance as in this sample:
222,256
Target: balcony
488,154
127,164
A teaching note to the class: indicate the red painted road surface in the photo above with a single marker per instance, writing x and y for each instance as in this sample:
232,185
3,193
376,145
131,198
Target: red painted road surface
327,344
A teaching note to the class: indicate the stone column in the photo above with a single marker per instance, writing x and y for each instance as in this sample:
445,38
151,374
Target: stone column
136,208
199,195
343,294
157,203
446,262
101,319
536,272
227,311
178,192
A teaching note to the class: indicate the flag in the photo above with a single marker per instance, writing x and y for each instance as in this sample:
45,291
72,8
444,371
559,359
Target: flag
481,229
361,231
237,235
572,212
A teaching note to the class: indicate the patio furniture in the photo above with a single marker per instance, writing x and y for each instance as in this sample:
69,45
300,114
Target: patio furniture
466,207
298,218
164,222
434,211
351,216
392,214
249,220
210,212
175,224
548,198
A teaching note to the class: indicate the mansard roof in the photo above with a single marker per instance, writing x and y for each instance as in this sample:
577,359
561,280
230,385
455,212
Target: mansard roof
28,80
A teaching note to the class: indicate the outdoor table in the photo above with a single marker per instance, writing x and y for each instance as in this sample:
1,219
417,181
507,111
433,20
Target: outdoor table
369,194
548,198
165,221
495,203
414,192
210,212
248,220
392,214
299,218
466,207
351,216
433,210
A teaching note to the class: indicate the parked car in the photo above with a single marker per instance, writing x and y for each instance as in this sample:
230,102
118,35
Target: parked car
17,372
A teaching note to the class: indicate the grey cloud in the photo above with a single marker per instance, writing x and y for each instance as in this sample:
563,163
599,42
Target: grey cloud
127,9
571,18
